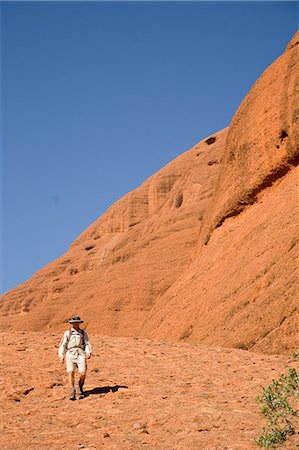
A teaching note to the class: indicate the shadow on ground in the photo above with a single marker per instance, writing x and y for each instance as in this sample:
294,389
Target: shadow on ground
103,390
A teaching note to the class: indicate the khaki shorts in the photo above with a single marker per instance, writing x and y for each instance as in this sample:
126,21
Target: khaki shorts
75,360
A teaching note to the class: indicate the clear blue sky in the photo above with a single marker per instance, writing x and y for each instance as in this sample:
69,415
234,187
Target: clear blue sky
96,97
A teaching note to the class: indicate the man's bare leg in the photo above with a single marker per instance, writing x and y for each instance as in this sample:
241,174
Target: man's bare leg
72,379
81,383
72,385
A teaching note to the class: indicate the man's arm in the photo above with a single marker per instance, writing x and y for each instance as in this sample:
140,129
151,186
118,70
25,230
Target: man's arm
87,347
62,346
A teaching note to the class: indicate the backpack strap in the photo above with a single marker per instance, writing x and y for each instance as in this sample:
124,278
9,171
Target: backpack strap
69,335
83,337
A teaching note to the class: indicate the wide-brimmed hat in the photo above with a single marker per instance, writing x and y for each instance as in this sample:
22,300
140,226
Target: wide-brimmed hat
75,319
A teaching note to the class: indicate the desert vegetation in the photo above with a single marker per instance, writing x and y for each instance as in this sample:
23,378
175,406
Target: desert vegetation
280,405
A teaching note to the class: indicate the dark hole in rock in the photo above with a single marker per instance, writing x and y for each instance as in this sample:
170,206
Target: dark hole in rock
283,135
131,225
58,289
210,140
66,261
179,200
212,161
89,247
277,146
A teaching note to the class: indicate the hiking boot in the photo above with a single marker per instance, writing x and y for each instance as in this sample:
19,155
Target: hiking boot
81,392
72,394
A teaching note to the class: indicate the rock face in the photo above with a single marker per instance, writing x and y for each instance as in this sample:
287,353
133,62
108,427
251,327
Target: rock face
242,288
116,270
263,140
206,250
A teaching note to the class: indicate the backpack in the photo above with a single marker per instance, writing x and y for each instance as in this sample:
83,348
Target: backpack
82,337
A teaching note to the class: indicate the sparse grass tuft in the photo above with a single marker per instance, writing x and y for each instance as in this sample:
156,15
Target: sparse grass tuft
278,406
296,354
273,436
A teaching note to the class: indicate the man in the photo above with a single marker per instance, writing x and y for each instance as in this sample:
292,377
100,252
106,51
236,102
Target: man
76,347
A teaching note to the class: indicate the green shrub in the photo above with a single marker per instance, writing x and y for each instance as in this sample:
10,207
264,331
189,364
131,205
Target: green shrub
278,406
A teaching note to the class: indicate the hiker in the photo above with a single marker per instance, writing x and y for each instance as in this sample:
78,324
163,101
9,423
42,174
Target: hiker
76,347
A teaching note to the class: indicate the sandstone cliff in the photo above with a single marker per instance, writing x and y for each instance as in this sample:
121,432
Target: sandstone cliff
205,250
242,289
116,270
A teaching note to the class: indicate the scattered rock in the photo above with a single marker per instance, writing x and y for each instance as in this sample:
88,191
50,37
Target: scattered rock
26,391
54,384
138,426
204,394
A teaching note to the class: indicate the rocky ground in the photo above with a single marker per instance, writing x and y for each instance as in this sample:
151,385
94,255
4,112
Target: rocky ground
140,394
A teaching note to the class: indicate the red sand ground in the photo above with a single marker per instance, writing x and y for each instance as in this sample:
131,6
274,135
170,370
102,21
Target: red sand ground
171,396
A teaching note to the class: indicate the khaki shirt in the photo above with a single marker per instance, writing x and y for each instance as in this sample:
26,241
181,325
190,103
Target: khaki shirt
74,342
